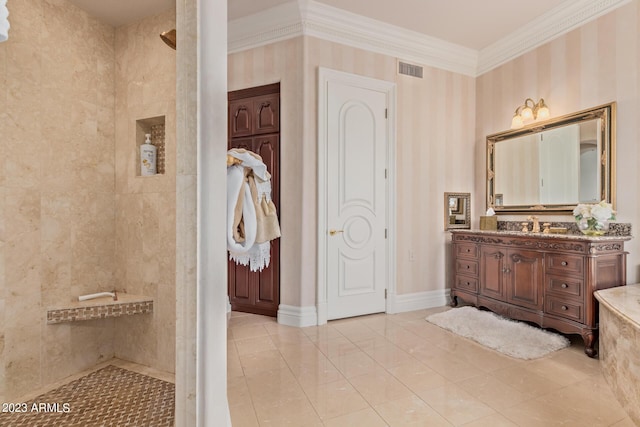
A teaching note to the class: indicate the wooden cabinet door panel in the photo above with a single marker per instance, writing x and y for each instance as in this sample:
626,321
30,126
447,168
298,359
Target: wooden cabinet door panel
525,277
240,118
492,265
266,117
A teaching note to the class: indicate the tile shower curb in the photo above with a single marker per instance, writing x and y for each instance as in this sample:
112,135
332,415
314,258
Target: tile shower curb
101,308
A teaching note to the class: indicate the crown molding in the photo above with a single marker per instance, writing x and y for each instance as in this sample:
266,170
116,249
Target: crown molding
311,18
556,22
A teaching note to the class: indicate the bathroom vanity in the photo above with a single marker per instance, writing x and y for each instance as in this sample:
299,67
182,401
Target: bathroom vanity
546,279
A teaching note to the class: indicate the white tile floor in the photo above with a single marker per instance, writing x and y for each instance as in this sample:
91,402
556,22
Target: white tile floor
399,370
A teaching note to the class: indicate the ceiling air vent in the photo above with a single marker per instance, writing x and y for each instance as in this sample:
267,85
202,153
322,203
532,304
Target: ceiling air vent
410,70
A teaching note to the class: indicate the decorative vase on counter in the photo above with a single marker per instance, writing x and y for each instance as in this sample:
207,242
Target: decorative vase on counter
593,220
593,227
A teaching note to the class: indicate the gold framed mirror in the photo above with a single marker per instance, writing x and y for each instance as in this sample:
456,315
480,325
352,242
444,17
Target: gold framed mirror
550,167
457,210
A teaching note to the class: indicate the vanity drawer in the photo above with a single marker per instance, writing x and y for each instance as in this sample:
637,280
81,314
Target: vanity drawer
562,307
467,250
467,266
565,285
466,283
563,264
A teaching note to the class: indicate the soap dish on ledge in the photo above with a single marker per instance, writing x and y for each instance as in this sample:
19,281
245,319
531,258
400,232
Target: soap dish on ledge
101,308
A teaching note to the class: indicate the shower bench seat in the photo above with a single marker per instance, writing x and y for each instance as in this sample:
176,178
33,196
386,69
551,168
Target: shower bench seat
101,308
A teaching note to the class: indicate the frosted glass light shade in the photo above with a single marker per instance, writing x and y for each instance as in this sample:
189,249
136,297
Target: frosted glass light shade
543,113
516,122
4,21
526,114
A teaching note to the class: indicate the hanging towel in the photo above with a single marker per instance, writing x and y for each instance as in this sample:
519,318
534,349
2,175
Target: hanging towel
250,228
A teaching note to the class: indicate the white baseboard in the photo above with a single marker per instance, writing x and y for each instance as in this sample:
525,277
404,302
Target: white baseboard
300,317
417,301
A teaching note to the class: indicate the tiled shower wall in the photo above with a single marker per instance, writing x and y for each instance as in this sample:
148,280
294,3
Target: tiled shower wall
57,214
146,205
74,219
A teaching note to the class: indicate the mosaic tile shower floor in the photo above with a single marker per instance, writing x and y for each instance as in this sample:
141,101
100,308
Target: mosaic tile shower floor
109,397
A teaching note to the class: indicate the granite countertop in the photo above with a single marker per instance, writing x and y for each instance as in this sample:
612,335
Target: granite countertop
622,300
604,238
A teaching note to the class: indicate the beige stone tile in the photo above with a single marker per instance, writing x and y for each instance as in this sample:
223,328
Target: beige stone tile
455,404
526,381
296,412
389,356
563,370
254,345
354,364
535,413
248,331
379,386
626,422
261,361
312,375
336,347
483,358
417,376
493,392
243,415
238,391
301,353
321,333
273,387
335,399
355,332
369,344
493,420
451,367
365,417
410,411
591,396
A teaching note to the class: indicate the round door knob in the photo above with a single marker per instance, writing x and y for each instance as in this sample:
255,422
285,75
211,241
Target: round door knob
565,308
468,267
564,286
564,263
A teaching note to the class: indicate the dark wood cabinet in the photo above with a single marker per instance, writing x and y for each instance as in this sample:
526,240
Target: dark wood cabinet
254,124
545,279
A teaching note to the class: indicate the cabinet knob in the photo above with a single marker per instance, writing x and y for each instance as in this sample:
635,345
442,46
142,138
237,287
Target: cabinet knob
468,267
565,308
564,286
564,263
468,284
468,250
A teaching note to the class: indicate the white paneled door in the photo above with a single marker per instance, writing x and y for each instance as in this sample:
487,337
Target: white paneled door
357,262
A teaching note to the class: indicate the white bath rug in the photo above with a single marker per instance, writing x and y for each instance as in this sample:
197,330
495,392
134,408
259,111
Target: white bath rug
513,338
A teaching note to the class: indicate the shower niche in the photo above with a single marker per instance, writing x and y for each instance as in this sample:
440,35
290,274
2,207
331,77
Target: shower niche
155,126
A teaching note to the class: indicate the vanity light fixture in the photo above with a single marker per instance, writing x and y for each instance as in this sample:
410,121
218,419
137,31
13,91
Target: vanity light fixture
529,111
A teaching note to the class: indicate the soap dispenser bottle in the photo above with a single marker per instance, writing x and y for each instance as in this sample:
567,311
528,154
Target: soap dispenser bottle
148,154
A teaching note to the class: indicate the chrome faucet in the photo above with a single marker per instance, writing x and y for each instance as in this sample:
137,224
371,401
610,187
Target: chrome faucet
536,224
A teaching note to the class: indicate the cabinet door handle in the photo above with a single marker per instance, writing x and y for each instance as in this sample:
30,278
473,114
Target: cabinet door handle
468,284
565,308
564,286
468,267
506,270
564,263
